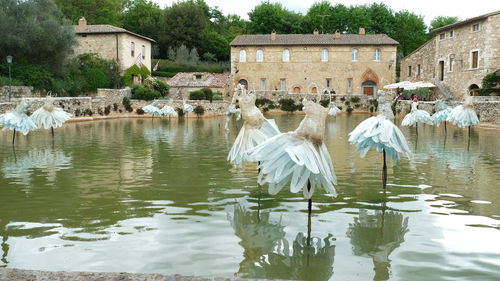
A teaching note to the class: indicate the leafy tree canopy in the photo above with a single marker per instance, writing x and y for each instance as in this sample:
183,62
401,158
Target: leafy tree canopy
442,21
95,11
34,30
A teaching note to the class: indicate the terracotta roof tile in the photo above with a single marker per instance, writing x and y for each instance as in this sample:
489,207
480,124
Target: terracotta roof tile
313,39
467,21
106,28
210,80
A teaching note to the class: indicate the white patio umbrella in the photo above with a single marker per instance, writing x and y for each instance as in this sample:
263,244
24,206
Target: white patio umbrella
401,84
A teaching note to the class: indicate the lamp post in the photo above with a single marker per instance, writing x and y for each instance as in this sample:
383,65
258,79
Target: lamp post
9,61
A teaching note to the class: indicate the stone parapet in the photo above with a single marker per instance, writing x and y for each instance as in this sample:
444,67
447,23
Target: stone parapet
487,111
17,92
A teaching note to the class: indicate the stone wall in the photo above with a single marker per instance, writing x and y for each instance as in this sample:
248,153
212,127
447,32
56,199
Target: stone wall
364,103
104,104
487,111
17,92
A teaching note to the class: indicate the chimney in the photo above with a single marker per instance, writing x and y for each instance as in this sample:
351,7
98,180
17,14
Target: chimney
315,32
82,24
362,31
337,35
273,35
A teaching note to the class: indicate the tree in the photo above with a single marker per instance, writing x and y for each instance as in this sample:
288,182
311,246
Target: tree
183,23
36,31
381,19
95,11
441,21
409,31
217,45
268,16
141,17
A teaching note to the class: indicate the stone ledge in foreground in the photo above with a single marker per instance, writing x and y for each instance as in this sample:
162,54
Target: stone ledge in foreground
38,275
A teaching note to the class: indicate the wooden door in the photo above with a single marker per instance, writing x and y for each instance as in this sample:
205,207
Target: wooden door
441,70
368,91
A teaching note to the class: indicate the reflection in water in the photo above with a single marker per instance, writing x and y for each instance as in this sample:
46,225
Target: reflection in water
376,235
49,160
267,252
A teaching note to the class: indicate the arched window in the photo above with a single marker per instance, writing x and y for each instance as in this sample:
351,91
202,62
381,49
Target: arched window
324,55
286,55
243,56
354,55
376,55
260,55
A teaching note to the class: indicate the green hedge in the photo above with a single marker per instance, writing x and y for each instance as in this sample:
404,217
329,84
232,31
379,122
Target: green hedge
421,93
143,93
197,95
134,70
288,105
172,67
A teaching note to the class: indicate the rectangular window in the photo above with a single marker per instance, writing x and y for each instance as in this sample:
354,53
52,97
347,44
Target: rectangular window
132,49
418,69
442,36
349,85
143,52
475,62
409,71
452,59
282,85
452,33
263,84
476,27
328,84
260,56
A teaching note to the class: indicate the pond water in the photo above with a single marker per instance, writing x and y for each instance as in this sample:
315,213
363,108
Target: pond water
157,196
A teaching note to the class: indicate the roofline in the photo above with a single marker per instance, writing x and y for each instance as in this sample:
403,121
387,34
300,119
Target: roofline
315,44
418,49
114,32
466,21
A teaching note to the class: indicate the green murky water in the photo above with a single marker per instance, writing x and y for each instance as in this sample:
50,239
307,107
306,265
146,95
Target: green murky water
158,196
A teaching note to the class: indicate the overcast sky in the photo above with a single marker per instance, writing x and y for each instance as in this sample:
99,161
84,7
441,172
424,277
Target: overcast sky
427,8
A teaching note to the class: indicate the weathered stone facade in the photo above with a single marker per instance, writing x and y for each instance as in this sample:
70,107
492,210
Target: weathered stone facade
113,43
17,92
459,56
305,63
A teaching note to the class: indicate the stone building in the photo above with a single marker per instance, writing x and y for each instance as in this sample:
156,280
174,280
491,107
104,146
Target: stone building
185,82
458,57
113,43
307,63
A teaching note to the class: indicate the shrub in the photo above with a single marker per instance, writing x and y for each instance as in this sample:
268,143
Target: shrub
199,110
208,94
155,84
77,112
115,106
342,99
129,108
217,96
197,95
134,70
88,112
357,105
139,111
143,93
355,99
371,109
180,112
347,103
349,110
288,105
489,81
340,107
107,110
324,103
